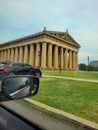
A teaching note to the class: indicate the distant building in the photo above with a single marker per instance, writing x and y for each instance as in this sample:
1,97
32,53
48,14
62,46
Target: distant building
46,50
94,63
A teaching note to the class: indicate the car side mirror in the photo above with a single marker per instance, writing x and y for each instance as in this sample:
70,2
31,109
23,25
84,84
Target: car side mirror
15,87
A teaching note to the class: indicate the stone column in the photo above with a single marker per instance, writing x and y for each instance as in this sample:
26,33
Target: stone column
73,60
43,58
12,54
26,54
66,58
50,56
8,55
4,57
16,54
70,59
31,59
62,58
21,54
0,55
37,59
56,57
3,54
76,59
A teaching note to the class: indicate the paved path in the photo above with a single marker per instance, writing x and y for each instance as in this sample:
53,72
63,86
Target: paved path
47,122
68,78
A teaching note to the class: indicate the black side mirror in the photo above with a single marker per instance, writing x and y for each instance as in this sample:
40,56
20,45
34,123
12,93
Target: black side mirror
15,87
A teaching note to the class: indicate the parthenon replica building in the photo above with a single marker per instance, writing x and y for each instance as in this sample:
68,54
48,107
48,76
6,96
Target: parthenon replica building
45,50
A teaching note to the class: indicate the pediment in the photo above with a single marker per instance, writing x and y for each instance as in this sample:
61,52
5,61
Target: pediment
64,36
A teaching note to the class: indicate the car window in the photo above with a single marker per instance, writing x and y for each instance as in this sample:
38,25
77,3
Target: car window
27,66
1,65
17,65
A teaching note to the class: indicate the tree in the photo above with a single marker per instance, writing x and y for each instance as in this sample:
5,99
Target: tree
91,68
82,66
97,68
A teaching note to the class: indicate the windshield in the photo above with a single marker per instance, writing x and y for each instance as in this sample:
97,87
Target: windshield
56,41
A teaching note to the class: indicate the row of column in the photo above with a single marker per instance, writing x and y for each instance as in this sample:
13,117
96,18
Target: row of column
42,55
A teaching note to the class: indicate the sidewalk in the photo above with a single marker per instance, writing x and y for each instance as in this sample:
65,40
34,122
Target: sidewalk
68,78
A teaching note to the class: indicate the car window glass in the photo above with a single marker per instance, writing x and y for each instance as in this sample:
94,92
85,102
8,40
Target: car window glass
27,66
1,65
17,65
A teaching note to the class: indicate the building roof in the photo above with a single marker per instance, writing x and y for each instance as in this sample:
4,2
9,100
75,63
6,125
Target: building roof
62,36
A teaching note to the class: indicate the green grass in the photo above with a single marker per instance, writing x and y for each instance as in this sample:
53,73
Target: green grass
74,74
75,97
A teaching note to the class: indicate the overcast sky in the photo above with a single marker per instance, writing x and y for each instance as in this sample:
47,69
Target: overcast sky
20,18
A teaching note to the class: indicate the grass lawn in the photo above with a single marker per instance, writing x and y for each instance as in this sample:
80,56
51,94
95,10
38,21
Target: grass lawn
78,98
74,74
